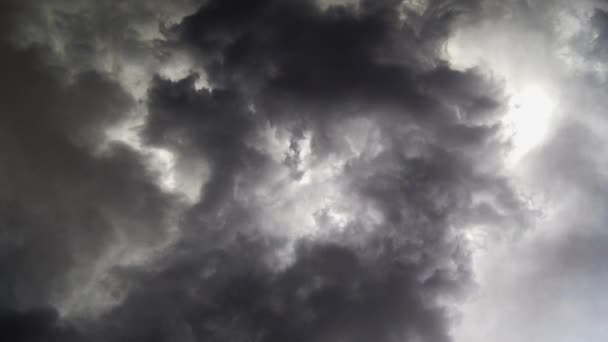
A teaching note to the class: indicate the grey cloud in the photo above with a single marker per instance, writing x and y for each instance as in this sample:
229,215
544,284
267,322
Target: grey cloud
291,66
548,285
65,200
304,68
329,292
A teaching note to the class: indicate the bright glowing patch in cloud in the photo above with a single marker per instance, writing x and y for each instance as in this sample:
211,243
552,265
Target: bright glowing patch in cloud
527,82
527,121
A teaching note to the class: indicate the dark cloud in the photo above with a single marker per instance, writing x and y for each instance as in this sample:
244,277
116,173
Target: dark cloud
66,199
299,68
28,326
273,67
330,292
296,59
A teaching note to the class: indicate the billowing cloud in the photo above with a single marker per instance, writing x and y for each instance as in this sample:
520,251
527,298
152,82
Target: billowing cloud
70,202
296,170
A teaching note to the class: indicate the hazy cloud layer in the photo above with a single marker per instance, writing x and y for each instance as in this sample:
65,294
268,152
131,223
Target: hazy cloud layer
547,285
273,170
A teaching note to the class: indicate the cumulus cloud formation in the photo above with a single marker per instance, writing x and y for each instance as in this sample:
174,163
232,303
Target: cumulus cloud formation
274,170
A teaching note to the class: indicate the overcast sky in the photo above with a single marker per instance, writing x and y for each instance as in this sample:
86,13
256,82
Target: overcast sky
314,171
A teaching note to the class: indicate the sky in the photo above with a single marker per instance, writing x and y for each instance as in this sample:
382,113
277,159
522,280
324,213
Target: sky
303,170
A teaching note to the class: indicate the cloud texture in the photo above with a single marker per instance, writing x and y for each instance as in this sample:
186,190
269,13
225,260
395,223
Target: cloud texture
269,170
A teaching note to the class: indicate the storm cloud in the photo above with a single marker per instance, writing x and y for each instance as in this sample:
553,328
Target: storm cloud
269,170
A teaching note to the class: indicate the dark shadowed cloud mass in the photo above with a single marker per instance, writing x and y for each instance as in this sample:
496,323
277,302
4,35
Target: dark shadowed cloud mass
291,170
